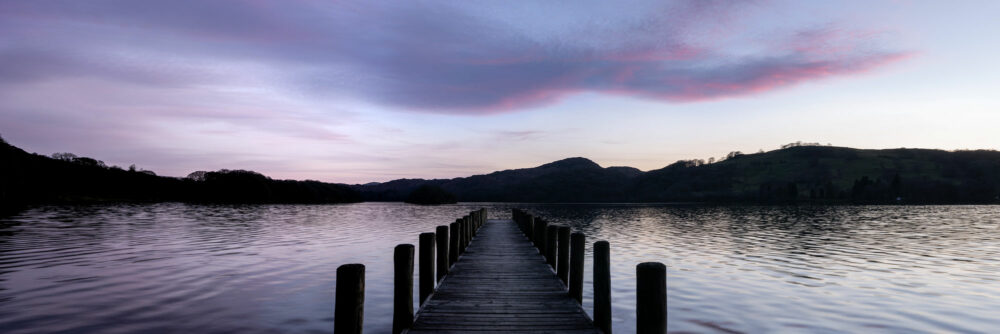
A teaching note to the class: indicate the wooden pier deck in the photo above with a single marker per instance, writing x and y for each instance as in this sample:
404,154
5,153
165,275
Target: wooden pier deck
501,284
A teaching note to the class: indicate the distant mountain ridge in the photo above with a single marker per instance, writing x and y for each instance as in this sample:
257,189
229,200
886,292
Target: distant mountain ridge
821,174
793,174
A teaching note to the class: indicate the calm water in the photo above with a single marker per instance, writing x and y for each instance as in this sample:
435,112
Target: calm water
261,269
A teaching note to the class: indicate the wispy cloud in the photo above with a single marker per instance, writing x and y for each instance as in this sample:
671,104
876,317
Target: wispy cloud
436,57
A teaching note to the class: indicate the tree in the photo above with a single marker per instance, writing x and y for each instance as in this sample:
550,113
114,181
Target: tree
197,176
64,156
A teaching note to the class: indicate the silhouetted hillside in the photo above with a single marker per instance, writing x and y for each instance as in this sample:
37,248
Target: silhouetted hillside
792,174
568,180
430,194
832,174
27,178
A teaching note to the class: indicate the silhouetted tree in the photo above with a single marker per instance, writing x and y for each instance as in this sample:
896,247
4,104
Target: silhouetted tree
197,176
64,156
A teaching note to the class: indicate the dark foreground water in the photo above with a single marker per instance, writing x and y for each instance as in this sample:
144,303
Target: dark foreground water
174,268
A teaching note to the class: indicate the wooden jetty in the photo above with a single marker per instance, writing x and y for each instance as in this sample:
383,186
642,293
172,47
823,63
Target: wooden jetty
517,275
501,284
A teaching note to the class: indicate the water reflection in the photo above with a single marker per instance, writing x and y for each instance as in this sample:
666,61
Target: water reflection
271,268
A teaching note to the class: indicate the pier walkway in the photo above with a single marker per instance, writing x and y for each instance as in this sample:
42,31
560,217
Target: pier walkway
501,284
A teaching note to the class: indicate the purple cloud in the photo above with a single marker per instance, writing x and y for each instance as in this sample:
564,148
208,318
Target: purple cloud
436,57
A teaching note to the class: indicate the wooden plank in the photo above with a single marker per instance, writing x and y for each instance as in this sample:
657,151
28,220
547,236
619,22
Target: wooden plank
501,284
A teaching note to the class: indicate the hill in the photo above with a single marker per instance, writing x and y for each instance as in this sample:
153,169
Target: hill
837,174
27,178
820,174
793,174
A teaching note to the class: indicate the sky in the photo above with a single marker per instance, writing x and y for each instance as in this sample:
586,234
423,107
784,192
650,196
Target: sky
363,91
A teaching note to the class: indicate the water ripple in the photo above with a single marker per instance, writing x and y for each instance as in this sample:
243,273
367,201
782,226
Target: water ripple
176,268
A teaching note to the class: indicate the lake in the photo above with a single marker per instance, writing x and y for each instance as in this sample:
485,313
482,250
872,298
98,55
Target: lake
179,268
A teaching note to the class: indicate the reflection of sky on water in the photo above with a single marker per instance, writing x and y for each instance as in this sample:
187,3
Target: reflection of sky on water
262,269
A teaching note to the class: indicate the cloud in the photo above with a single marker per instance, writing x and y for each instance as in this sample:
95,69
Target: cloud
438,57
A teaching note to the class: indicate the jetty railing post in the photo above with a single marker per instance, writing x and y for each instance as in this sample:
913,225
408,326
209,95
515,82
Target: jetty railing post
442,252
461,236
577,243
602,286
453,245
563,263
551,236
402,308
475,222
349,309
468,231
651,298
529,222
540,228
523,222
426,266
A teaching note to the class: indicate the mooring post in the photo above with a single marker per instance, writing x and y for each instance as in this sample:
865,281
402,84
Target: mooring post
529,225
521,222
577,243
349,308
483,216
651,298
402,306
461,236
442,252
541,226
468,231
475,222
453,245
563,262
551,236
602,286
426,266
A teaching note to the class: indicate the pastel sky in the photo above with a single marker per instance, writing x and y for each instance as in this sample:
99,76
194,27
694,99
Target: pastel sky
354,92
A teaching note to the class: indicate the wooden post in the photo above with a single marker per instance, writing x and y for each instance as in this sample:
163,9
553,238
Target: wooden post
468,231
465,233
529,225
577,242
461,236
651,298
551,235
540,229
349,309
453,245
442,252
475,222
483,216
602,286
563,262
426,266
402,299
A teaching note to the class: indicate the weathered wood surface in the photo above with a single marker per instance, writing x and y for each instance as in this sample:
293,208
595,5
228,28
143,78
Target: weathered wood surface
501,284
